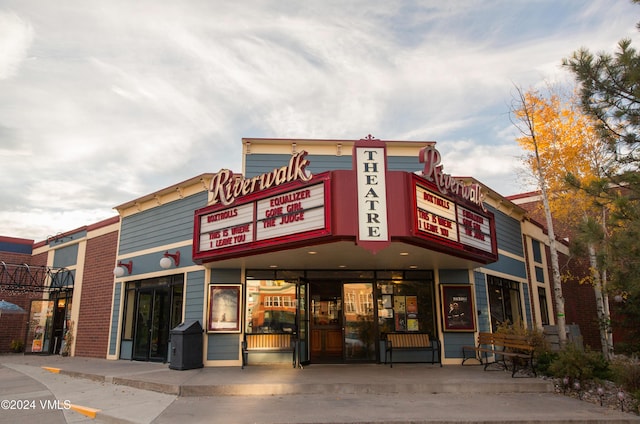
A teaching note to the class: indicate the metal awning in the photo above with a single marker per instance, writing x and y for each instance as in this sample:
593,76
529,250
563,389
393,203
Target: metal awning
23,278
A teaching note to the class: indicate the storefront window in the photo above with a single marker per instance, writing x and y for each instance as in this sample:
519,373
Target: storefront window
271,306
504,301
406,306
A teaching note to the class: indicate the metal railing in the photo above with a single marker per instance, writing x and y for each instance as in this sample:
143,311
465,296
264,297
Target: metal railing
19,278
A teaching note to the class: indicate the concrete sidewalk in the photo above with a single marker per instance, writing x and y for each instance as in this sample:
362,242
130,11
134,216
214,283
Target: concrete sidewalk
141,392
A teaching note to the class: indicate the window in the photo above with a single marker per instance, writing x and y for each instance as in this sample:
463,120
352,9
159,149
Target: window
504,302
270,306
544,308
405,306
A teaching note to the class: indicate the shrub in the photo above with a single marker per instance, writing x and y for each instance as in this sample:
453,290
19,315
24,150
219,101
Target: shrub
626,373
544,359
16,345
580,364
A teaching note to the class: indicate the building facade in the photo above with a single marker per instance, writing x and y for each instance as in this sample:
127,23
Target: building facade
65,286
337,242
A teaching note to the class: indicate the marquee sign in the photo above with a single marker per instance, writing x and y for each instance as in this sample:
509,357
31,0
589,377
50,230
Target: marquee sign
284,213
441,219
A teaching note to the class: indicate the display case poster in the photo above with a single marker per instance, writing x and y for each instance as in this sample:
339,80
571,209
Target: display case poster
412,305
458,310
39,327
401,322
224,309
412,325
399,304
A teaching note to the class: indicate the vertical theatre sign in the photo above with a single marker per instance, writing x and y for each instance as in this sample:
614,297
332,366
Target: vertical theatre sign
370,163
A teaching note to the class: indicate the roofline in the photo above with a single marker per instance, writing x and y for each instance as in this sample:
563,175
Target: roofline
15,240
170,189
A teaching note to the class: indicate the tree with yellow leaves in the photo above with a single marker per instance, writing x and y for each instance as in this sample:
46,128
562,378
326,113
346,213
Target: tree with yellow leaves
564,153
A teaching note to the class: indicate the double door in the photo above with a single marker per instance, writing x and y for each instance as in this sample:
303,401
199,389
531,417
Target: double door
339,325
151,338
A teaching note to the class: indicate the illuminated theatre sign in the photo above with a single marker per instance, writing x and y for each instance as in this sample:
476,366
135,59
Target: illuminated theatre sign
438,217
290,207
283,205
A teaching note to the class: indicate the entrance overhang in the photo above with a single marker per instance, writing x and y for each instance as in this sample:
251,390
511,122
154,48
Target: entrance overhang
348,255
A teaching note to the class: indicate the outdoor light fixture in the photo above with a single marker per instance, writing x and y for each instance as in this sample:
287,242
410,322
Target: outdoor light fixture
165,262
119,270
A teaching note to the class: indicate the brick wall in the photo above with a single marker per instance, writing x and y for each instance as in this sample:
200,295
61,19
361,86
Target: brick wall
14,326
97,293
579,300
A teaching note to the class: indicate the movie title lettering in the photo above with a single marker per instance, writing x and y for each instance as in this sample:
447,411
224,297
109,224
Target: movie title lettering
222,215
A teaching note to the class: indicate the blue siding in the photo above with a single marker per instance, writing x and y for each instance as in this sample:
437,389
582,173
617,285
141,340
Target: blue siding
194,296
482,303
169,223
256,164
53,240
453,343
508,233
114,319
509,266
65,257
143,264
8,246
223,347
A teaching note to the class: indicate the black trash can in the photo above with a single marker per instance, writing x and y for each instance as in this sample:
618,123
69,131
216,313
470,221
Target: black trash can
186,346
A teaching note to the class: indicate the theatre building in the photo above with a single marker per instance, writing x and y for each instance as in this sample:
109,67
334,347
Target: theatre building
333,242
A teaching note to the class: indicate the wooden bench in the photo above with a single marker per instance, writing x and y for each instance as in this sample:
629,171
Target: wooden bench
502,346
411,341
268,343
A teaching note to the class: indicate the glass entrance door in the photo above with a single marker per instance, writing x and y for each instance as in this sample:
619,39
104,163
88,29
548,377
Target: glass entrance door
359,323
326,339
151,337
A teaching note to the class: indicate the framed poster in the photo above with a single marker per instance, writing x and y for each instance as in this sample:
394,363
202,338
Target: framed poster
224,308
457,308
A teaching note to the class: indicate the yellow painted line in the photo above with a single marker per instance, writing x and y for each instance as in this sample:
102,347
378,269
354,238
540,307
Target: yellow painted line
85,410
51,369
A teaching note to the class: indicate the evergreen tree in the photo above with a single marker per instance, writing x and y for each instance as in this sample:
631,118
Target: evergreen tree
610,93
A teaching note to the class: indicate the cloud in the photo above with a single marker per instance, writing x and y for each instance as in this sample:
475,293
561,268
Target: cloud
114,100
16,36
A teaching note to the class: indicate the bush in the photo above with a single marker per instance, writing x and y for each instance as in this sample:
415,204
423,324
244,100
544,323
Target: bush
16,345
580,365
544,359
626,373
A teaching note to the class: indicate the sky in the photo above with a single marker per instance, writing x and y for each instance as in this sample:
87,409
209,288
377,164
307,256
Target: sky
102,102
